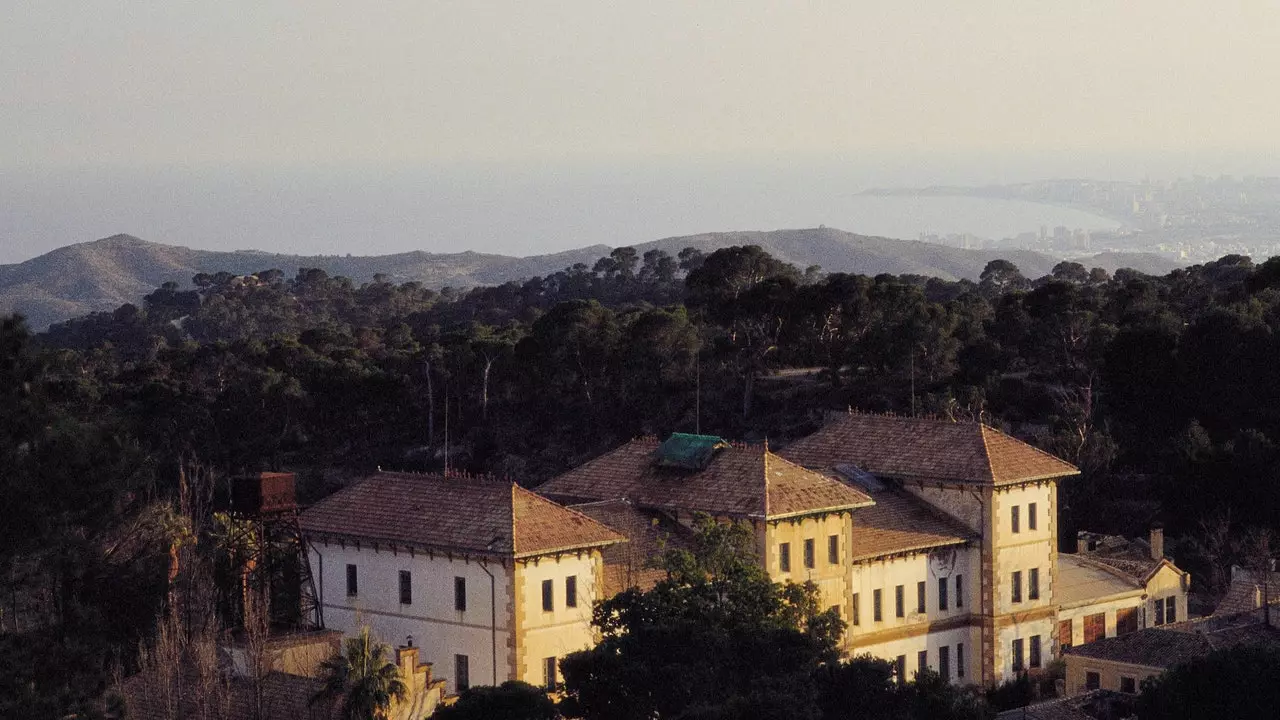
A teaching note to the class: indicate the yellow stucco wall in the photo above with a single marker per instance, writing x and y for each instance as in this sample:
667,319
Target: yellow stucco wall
832,579
1109,674
541,634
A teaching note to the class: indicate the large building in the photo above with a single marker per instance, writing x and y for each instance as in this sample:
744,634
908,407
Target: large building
490,581
936,540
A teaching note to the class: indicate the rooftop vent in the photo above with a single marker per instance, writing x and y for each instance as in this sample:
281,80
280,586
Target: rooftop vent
688,452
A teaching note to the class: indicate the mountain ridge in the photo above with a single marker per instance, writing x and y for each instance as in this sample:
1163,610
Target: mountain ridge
103,274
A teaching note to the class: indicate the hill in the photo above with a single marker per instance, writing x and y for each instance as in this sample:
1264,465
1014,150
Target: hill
107,273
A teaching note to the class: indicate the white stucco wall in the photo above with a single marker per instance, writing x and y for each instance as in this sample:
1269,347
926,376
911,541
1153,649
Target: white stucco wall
440,631
932,643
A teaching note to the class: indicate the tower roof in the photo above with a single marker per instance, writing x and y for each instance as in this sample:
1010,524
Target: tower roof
925,449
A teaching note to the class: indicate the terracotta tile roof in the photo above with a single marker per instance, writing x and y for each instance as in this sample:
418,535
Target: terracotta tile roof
925,448
1083,580
286,697
1246,592
460,514
900,523
1092,705
649,534
1165,647
739,481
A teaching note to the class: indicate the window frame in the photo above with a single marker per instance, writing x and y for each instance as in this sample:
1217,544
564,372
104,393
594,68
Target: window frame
1171,610
1015,519
461,672
549,668
810,554
1132,683
1092,680
900,601
406,587
1031,516
353,580
1033,584
1018,653
959,591
784,557
944,662
943,600
571,591
1034,659
877,605
922,660
922,597
960,660
1015,587
548,596
459,593
855,616
833,549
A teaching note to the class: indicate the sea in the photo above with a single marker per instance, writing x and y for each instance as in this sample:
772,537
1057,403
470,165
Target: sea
492,209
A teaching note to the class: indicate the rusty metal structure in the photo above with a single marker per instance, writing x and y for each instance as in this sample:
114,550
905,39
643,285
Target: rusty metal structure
271,553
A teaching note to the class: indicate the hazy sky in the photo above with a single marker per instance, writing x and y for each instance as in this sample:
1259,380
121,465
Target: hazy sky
297,86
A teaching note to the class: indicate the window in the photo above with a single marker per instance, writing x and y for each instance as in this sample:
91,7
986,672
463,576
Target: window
1017,655
920,599
1095,627
1126,620
833,550
959,591
835,609
944,662
1033,583
809,560
942,593
571,591
1171,609
1092,681
922,661
1159,611
856,618
784,557
1035,651
548,596
900,669
406,588
900,601
1064,634
960,660
876,613
549,673
353,587
1017,586
460,594
461,672
1031,516
1128,685
1017,525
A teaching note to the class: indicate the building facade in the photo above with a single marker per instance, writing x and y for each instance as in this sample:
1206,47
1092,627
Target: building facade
490,581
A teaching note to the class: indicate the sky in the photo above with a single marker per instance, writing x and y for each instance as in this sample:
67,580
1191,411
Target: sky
181,96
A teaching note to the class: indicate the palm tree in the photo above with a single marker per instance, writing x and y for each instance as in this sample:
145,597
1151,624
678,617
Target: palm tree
366,682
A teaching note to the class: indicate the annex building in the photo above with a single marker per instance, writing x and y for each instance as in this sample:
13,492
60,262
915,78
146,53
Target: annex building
936,540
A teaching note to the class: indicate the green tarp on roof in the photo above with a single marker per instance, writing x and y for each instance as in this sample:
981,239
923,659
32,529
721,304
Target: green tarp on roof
689,452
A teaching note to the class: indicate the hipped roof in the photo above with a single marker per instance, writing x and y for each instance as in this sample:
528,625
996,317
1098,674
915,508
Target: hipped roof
925,449
454,514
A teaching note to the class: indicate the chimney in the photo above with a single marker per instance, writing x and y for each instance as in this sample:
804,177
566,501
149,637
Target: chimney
1157,541
1082,542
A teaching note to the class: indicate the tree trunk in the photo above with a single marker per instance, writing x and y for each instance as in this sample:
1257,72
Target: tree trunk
748,390
431,408
484,391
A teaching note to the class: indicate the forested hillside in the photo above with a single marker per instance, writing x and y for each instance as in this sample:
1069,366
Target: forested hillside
1160,388
101,275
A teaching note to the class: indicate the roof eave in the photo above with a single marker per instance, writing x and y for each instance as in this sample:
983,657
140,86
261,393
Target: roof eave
569,548
813,511
909,550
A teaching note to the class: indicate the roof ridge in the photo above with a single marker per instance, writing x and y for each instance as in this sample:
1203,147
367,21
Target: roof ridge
764,461
1049,455
986,451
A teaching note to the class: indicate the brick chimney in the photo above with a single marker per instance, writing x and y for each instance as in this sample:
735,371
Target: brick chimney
1157,541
